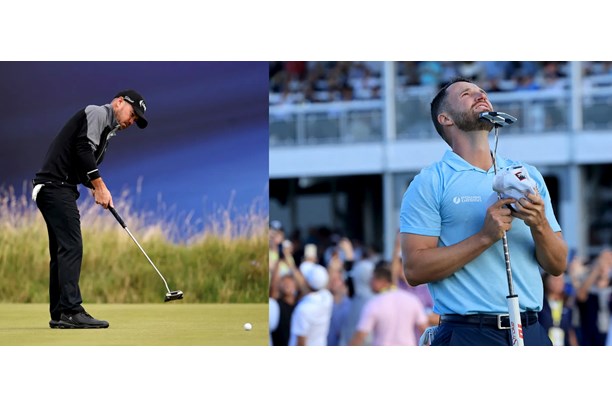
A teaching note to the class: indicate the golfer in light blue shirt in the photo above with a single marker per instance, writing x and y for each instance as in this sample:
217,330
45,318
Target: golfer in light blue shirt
452,223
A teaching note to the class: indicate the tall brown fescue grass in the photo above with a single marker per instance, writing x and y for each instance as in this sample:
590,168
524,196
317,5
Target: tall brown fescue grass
224,263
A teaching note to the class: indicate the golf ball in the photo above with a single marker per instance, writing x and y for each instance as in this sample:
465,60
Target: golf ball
248,326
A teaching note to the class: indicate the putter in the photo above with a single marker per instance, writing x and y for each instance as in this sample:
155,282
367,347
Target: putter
172,294
500,119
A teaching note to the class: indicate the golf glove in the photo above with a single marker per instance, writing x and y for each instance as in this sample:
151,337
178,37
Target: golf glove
35,191
514,182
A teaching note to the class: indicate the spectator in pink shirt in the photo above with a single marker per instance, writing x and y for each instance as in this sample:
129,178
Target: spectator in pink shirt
391,316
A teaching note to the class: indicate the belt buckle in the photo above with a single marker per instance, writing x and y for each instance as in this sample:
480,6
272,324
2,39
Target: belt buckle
499,323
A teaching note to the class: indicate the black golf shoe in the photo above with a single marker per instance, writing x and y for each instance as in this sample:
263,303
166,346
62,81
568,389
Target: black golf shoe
54,324
82,320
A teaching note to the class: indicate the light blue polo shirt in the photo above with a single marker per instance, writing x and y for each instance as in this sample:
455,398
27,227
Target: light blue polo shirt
449,200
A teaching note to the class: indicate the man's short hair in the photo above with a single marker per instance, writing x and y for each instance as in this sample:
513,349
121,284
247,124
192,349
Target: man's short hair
438,104
383,272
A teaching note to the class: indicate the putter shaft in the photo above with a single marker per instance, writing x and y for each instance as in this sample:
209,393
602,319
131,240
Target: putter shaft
120,220
148,259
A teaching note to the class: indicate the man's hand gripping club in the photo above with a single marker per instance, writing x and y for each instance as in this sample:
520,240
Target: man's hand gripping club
101,194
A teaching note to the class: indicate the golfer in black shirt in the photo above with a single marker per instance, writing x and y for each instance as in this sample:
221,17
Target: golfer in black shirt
72,159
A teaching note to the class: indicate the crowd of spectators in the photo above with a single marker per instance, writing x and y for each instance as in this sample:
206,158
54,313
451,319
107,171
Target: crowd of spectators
332,290
329,81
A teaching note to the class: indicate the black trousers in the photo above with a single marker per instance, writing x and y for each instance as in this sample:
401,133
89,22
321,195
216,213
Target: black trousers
57,203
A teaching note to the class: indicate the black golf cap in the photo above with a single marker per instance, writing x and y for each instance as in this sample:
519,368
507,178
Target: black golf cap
138,103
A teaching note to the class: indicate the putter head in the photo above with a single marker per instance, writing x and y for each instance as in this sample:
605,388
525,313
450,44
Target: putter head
498,119
174,295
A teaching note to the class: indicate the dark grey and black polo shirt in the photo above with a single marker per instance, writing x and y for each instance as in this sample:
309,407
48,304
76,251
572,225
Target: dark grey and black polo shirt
76,151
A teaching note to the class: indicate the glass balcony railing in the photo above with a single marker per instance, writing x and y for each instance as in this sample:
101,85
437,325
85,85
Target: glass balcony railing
322,123
538,111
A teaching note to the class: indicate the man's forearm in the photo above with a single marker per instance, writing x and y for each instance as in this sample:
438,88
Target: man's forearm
101,193
98,184
433,264
551,249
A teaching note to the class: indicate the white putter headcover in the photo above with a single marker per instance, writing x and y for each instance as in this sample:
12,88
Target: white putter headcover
514,182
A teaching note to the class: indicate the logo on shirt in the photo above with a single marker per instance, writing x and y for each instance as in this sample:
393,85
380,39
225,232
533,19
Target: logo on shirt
467,199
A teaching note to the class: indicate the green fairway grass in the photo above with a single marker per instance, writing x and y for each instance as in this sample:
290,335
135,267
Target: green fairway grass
167,324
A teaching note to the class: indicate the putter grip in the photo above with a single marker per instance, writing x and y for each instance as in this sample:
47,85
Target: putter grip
112,210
